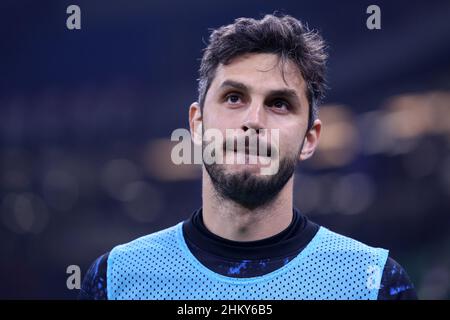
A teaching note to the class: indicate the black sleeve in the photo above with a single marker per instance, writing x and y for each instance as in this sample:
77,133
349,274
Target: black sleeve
395,283
93,286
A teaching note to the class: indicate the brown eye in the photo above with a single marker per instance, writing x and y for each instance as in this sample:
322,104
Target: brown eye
280,104
233,98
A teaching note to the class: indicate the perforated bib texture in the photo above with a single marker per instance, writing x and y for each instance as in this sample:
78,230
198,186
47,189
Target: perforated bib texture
160,266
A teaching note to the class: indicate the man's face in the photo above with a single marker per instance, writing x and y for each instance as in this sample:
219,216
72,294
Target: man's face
254,92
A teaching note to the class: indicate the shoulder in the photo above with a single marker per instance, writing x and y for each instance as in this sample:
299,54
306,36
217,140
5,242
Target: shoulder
144,254
94,285
154,241
395,283
94,282
330,240
350,254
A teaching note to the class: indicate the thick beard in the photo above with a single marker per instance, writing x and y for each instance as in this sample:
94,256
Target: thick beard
248,190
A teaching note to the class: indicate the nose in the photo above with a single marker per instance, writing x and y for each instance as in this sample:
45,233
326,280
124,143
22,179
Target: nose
255,117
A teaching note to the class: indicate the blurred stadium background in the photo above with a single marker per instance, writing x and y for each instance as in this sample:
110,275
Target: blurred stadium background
86,118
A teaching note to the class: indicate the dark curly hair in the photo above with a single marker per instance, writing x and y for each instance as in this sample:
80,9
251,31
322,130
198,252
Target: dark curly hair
282,35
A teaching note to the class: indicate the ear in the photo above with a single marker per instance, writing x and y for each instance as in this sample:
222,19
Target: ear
196,122
311,140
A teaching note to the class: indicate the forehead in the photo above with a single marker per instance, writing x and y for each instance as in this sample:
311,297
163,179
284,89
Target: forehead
261,72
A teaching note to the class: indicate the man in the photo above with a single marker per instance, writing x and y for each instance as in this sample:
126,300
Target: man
247,241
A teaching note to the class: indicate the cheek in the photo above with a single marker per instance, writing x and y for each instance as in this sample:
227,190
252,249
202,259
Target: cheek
291,140
221,118
216,122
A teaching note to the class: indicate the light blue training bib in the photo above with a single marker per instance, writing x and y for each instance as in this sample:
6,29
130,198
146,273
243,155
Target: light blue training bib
160,266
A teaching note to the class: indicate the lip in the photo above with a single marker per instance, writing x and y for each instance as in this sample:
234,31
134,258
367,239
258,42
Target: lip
252,151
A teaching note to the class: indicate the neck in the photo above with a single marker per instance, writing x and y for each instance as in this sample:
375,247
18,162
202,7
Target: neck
231,221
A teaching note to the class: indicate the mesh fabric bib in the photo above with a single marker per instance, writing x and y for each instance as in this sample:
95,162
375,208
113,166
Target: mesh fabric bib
160,266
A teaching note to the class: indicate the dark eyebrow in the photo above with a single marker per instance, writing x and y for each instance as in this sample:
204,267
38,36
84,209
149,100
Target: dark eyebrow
285,93
234,84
